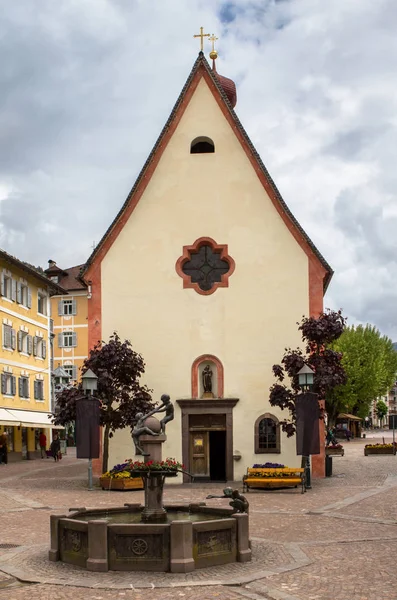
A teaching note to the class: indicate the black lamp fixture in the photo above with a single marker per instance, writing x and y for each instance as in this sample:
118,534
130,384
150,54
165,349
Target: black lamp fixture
306,378
89,382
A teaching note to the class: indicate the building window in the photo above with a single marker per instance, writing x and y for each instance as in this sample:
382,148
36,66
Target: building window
205,266
23,387
202,145
71,370
42,304
24,342
267,435
9,337
67,339
67,307
8,287
24,295
39,347
39,390
8,384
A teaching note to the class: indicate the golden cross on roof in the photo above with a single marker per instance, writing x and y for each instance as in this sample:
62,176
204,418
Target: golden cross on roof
202,35
213,53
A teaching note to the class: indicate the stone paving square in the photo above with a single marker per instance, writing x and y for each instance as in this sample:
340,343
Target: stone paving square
336,542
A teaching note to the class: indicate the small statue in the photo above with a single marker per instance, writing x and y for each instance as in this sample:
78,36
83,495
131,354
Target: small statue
168,408
238,501
207,379
141,429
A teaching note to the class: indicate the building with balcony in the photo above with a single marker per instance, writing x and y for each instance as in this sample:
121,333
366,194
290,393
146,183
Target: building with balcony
26,399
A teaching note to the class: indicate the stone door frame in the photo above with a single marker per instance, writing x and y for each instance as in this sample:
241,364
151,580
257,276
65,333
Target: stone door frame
215,406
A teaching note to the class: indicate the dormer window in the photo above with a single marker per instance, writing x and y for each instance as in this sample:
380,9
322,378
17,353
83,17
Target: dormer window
202,145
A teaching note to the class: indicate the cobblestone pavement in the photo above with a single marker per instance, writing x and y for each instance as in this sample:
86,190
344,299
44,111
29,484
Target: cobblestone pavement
338,541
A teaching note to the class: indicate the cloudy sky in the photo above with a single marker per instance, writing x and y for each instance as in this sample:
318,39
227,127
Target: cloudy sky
86,86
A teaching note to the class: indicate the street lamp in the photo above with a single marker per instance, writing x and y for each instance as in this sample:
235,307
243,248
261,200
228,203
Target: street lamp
306,378
306,381
90,382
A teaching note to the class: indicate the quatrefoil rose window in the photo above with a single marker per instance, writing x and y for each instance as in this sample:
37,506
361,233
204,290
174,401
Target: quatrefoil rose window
205,266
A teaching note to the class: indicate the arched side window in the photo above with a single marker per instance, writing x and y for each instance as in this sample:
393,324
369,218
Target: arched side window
202,145
267,435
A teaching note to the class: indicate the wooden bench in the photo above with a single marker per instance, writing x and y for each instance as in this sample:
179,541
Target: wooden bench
274,478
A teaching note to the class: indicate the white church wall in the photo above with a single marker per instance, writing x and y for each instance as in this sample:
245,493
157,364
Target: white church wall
247,325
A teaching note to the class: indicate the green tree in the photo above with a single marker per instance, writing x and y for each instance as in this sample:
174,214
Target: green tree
119,369
381,409
370,363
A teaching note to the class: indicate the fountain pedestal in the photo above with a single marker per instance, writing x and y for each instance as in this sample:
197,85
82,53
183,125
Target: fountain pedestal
154,511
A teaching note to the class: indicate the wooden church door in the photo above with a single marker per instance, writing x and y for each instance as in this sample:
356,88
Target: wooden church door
199,455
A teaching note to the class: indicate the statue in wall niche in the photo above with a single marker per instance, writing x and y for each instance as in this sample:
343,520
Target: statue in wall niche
207,382
238,502
167,407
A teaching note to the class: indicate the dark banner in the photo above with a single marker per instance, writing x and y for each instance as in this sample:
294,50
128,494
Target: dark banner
87,428
307,424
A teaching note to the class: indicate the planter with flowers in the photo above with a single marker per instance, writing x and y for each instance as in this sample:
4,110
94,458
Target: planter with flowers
130,475
334,450
380,449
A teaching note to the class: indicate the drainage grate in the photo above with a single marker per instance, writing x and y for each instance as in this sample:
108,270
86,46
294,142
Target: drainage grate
7,546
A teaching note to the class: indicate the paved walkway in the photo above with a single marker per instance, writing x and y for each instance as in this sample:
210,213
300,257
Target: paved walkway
336,542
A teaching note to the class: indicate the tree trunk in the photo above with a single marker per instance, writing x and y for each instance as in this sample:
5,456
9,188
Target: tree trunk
105,456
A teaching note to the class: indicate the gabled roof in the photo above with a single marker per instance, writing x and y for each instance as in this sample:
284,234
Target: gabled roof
32,271
200,69
70,280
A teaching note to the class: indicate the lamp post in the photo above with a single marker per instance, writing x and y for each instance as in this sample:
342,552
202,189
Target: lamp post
89,382
306,381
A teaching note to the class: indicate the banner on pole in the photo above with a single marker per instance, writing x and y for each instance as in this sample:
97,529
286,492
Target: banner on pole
87,428
307,424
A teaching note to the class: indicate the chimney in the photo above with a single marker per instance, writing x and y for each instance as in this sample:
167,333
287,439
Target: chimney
51,263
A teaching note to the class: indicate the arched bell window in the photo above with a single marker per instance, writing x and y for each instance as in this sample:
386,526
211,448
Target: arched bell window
202,145
267,435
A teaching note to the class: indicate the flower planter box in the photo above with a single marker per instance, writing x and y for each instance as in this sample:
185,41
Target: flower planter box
368,451
111,483
334,451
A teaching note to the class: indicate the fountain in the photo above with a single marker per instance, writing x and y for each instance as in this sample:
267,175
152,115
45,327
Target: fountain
153,537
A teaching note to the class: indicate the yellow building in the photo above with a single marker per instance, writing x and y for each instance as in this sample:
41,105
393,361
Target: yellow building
70,316
25,356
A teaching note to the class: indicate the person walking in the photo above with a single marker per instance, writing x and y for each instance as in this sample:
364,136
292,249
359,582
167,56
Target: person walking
55,447
43,444
4,449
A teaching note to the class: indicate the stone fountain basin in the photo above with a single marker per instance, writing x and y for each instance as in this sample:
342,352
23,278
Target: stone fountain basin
194,536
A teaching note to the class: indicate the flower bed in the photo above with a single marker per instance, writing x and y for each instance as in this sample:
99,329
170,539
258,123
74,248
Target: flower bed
268,465
128,475
380,449
334,450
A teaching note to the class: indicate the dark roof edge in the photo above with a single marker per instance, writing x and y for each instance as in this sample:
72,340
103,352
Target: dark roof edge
31,271
202,60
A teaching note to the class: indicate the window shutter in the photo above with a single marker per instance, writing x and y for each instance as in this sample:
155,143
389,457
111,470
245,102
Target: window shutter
3,285
19,338
60,340
74,339
7,336
13,385
27,394
29,298
43,348
74,372
19,292
34,345
74,307
35,390
20,388
30,344
13,339
60,308
13,290
3,384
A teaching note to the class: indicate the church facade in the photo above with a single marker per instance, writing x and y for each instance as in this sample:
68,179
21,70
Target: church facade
206,271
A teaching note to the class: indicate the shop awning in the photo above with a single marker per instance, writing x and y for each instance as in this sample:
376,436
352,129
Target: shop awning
6,418
31,418
347,416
